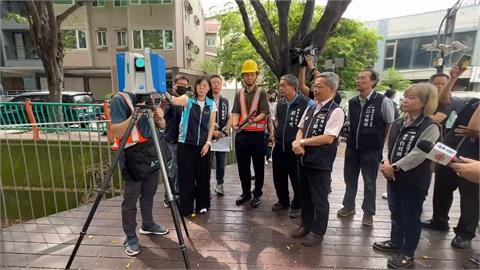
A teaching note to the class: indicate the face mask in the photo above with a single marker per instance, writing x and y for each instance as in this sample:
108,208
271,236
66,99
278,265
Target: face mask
272,99
182,90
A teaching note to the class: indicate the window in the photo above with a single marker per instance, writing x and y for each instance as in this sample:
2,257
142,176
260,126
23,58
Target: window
408,53
101,39
121,39
74,39
390,52
120,3
63,2
149,2
211,41
98,3
421,57
154,39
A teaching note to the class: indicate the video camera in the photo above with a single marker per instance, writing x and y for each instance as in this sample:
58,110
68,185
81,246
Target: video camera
142,75
298,56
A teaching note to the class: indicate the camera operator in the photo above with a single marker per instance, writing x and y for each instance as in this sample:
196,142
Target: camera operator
140,177
464,137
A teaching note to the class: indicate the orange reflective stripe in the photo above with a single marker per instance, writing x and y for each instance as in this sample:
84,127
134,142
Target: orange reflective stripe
260,125
135,136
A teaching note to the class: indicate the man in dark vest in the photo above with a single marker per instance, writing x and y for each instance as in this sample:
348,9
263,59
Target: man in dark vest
316,145
250,109
222,128
139,176
289,111
370,115
447,181
172,120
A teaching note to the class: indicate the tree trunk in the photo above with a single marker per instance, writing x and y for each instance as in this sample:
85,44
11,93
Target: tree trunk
277,57
46,35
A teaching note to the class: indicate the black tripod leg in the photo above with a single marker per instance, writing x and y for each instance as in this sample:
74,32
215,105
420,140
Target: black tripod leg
166,183
103,188
177,202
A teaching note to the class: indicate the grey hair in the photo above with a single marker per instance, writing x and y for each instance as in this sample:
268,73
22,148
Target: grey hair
291,80
331,79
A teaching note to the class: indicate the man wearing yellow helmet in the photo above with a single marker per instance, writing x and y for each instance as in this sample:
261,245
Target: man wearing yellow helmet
249,112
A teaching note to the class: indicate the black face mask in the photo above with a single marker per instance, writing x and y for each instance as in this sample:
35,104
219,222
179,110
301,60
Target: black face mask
182,90
272,99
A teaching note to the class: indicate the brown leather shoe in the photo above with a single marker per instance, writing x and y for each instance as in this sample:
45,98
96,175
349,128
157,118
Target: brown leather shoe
367,220
299,232
312,239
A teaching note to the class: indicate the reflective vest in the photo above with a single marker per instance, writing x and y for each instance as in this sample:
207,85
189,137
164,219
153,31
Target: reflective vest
260,125
135,136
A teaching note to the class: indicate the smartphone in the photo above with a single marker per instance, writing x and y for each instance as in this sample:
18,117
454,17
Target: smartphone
464,61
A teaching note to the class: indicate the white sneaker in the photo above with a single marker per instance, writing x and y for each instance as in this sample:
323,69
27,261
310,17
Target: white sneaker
203,211
385,196
270,160
219,189
266,162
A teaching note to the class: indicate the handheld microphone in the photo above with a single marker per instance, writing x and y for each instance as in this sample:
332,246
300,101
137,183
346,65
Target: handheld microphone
439,152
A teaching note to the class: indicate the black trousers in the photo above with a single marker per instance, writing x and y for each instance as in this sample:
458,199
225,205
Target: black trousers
314,189
193,178
284,166
405,204
446,182
250,147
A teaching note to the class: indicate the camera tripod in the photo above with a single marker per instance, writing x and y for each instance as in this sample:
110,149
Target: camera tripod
146,109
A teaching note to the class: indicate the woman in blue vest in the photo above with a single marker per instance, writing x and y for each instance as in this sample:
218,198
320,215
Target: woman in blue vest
408,172
193,152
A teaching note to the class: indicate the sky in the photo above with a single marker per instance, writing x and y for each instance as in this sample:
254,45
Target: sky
369,10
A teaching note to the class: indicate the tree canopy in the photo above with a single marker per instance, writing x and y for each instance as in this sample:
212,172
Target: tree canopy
350,40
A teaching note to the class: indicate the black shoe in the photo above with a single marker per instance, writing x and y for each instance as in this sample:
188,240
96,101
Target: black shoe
255,202
243,198
434,225
278,206
400,261
461,242
312,239
299,232
387,246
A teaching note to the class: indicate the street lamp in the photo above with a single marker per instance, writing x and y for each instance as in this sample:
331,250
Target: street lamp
443,48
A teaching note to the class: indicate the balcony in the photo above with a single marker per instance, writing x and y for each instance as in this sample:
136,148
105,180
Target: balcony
21,56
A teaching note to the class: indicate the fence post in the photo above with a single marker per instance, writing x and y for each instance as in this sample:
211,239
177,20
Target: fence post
106,111
31,119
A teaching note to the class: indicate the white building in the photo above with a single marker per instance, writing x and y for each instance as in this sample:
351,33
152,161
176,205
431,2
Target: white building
404,37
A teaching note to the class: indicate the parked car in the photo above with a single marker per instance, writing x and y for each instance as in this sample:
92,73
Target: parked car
75,108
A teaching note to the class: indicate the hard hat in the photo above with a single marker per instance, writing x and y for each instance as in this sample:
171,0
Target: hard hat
249,66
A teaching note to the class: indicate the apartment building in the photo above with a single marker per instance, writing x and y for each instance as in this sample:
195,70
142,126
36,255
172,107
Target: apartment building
94,34
404,36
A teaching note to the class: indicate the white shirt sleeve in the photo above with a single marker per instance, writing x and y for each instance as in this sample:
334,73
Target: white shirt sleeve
335,123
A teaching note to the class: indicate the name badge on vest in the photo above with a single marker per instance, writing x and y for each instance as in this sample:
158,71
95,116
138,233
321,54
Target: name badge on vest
369,115
294,118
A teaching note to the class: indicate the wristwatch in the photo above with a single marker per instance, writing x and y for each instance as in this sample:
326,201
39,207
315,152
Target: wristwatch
302,142
395,167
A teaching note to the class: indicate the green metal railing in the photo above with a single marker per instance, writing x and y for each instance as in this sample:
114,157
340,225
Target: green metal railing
53,116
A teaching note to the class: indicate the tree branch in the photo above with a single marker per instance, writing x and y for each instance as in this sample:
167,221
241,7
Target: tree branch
251,37
283,8
304,25
332,14
70,10
268,29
